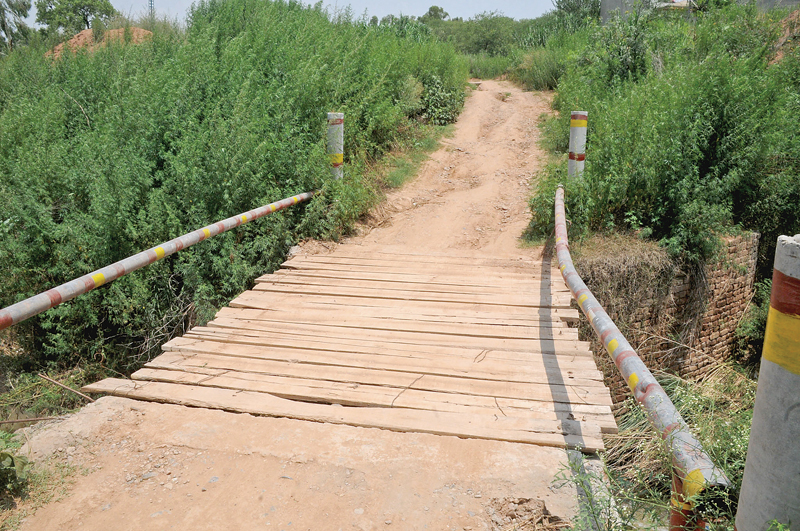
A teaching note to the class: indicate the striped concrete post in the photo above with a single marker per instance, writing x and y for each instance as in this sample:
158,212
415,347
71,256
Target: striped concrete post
336,143
577,143
771,484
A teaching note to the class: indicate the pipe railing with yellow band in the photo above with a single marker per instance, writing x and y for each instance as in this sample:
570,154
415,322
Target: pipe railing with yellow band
44,301
703,486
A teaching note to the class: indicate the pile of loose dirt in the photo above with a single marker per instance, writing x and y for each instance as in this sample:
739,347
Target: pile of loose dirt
790,28
85,39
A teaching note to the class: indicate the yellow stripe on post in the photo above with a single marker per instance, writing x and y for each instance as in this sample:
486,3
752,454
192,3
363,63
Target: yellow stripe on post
633,381
782,340
244,218
159,252
578,123
582,298
207,233
99,279
272,208
336,158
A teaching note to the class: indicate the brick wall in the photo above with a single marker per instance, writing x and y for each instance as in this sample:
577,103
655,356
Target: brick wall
689,327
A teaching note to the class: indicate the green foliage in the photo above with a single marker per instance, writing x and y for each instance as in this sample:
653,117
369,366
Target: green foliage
681,147
485,66
434,13
540,69
12,23
72,16
750,332
633,488
442,105
105,154
13,468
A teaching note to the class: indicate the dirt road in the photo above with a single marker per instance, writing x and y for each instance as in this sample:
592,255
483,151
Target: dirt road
156,466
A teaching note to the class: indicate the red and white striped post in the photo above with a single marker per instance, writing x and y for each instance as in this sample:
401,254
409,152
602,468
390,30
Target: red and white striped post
771,483
336,143
577,143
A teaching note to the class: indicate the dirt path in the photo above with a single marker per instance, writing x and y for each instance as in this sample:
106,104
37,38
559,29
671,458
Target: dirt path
472,194
160,466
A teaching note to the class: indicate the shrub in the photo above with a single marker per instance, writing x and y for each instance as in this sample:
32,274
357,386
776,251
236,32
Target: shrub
680,146
540,69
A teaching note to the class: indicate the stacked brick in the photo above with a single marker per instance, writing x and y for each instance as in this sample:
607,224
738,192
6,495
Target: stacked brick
690,327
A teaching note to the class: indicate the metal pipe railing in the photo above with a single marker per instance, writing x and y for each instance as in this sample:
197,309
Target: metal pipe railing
703,487
44,301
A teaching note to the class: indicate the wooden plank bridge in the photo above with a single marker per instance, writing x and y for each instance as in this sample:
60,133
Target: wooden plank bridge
460,345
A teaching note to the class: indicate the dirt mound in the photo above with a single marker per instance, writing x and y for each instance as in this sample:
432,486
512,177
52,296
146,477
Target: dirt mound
790,28
85,39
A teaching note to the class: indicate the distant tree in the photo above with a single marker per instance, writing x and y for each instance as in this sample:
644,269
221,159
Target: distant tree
490,32
434,13
373,21
12,22
578,9
72,16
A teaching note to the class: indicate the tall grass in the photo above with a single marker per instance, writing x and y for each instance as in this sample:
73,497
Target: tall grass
681,146
104,154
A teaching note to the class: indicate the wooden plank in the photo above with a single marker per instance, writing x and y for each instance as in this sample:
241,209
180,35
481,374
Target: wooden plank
502,363
246,369
579,393
486,364
388,336
531,301
259,300
426,269
314,311
483,281
396,419
392,325
409,262
413,399
309,390
511,289
365,396
385,374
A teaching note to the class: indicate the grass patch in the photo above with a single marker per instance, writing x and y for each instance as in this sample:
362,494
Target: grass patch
402,164
485,66
48,482
638,467
540,69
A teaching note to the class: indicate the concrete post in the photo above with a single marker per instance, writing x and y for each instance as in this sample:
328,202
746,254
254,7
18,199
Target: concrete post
771,484
577,143
336,143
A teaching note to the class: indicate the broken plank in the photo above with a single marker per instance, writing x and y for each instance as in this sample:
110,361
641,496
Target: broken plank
437,423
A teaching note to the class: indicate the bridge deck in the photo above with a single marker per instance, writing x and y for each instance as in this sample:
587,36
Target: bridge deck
467,346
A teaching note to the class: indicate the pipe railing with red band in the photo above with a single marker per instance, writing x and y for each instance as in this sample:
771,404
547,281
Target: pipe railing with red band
703,486
44,301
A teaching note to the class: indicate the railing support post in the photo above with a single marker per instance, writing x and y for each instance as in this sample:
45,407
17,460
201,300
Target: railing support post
577,143
336,143
771,484
682,516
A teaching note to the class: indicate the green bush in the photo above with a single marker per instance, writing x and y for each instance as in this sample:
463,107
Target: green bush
750,332
105,154
13,468
681,146
485,66
540,69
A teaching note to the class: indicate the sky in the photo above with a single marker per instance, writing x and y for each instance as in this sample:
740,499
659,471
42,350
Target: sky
176,9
